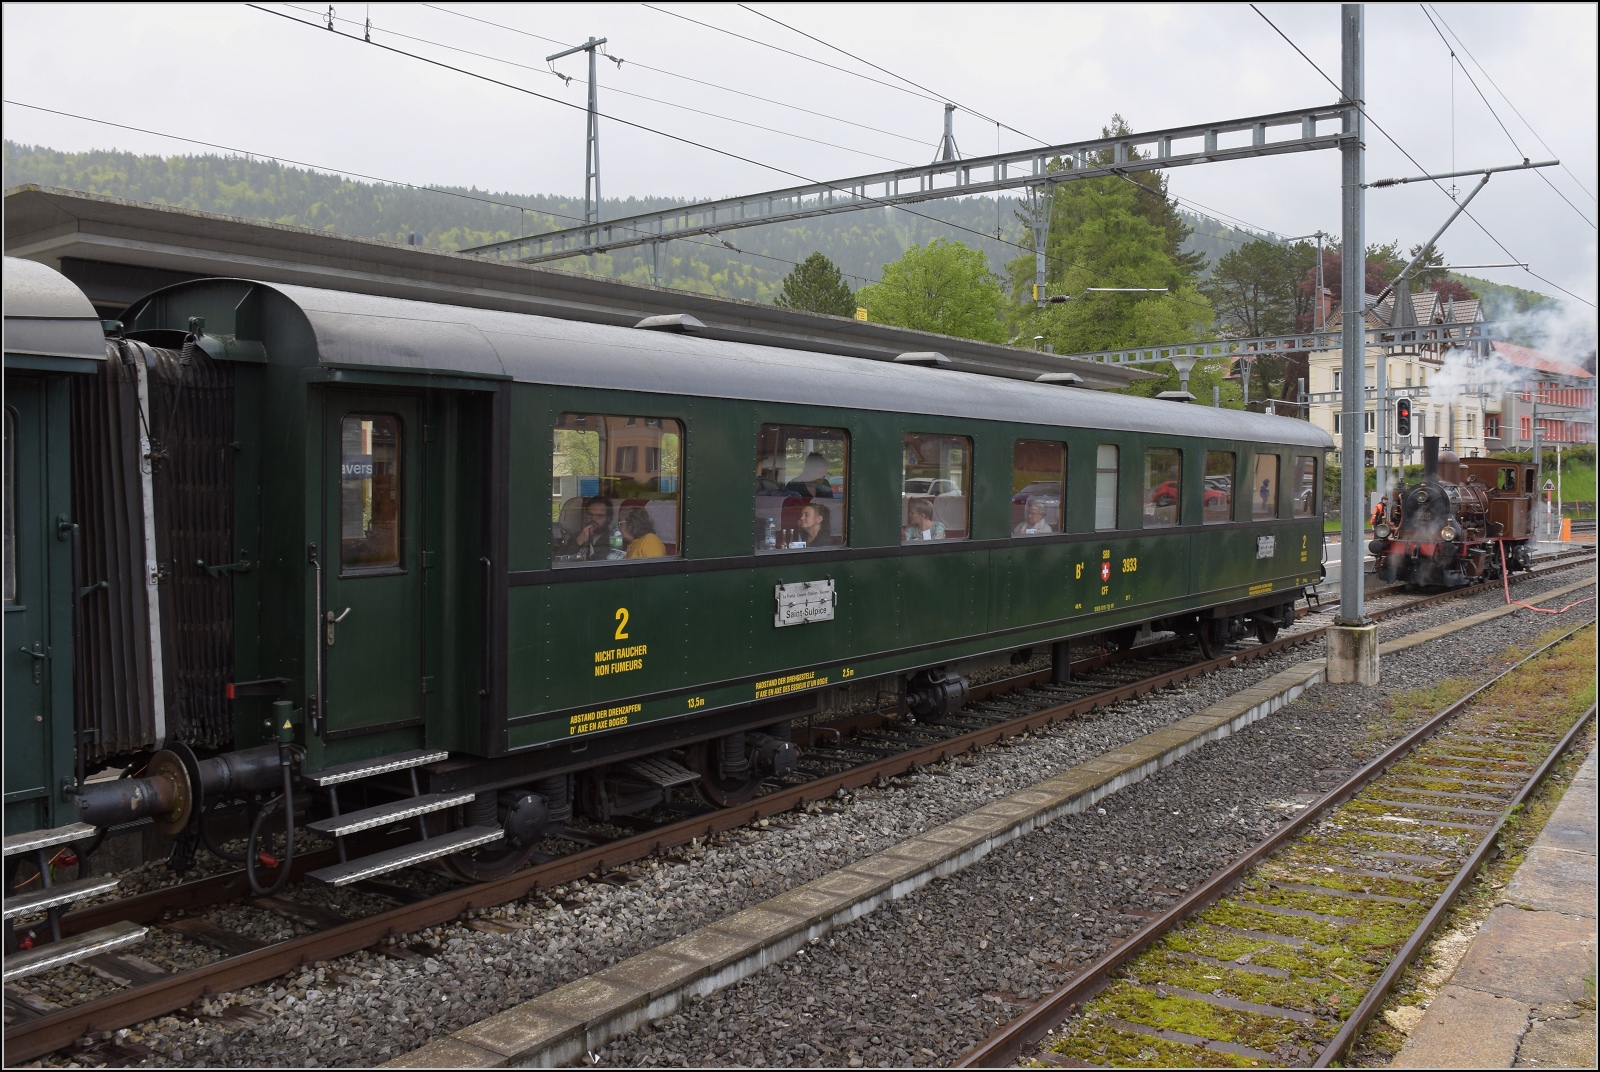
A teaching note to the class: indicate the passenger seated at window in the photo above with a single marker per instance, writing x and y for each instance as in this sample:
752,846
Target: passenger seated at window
813,480
1034,524
564,533
923,526
640,533
815,523
594,541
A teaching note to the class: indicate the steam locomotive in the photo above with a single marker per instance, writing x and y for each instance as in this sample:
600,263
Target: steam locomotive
1466,520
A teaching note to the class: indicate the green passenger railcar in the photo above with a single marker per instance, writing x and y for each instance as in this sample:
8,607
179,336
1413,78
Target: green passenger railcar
537,564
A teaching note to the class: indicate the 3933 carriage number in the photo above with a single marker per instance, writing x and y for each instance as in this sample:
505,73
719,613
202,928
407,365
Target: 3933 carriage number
1130,565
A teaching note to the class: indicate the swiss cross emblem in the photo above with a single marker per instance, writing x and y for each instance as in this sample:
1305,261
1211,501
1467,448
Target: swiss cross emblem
1105,571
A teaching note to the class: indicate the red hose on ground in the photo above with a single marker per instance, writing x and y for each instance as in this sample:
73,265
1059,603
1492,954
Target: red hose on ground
1505,580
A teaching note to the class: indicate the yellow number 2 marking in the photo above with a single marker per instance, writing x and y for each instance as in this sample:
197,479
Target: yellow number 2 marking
622,623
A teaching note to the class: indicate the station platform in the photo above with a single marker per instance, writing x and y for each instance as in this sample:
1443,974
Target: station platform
1523,996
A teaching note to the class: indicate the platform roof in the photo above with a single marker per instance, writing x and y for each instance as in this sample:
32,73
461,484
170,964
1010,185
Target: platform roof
118,250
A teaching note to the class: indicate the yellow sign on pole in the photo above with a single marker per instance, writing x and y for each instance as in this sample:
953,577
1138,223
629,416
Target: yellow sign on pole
861,314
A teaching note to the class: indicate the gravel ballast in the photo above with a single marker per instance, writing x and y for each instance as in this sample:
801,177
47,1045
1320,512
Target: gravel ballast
940,973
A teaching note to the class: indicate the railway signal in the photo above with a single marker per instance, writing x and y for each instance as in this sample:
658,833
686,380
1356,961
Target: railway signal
1402,418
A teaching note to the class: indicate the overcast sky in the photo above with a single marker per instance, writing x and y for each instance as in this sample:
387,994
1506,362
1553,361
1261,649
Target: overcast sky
255,81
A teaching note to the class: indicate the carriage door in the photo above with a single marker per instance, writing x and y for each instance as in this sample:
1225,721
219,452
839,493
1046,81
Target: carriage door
27,587
371,614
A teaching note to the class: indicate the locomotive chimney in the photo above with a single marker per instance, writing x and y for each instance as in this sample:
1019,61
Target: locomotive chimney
1430,458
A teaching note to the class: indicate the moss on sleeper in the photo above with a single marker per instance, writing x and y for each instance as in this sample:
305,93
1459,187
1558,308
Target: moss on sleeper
1312,994
1097,1043
1134,1003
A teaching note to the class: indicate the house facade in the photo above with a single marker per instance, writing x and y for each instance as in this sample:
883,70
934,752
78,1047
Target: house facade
1435,383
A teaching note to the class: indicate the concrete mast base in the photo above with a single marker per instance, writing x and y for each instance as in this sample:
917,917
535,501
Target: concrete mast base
1353,654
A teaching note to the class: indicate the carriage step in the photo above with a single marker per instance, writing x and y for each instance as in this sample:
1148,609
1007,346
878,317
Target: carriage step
367,818
45,839
406,855
367,768
662,772
71,950
24,904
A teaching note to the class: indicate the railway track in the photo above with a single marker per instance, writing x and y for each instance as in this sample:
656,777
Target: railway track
1283,957
842,755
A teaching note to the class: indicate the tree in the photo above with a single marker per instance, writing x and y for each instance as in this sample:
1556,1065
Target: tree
1102,236
942,287
1452,290
1254,289
817,286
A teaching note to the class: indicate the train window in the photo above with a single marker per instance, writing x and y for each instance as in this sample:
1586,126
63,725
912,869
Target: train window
1305,495
1264,488
1038,475
802,487
1163,487
1106,466
615,488
1527,483
1220,465
1507,482
11,505
369,492
936,477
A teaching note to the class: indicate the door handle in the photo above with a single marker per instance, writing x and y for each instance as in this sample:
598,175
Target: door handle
38,655
333,621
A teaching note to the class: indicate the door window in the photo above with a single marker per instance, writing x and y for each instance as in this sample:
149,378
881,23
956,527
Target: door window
369,492
11,506
1038,475
1105,486
802,484
934,481
616,488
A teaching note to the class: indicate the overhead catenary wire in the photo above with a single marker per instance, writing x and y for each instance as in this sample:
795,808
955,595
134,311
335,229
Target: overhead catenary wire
373,178
1509,103
892,74
370,26
697,81
1406,153
1509,136
688,142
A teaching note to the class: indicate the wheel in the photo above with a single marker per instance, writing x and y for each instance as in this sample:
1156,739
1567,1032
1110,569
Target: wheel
712,787
1266,632
1213,637
495,860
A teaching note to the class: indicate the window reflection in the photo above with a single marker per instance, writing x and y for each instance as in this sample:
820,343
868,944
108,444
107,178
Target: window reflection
1163,487
1264,488
1105,486
615,488
1305,496
1038,473
1219,486
802,487
369,492
934,488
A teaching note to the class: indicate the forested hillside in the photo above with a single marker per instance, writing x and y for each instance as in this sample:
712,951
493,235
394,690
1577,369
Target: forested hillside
860,243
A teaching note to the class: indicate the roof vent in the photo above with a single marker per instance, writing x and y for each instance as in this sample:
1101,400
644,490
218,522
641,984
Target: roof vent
931,358
682,323
1065,379
1175,396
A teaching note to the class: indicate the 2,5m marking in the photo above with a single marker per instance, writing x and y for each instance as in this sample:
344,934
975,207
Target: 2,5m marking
622,623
